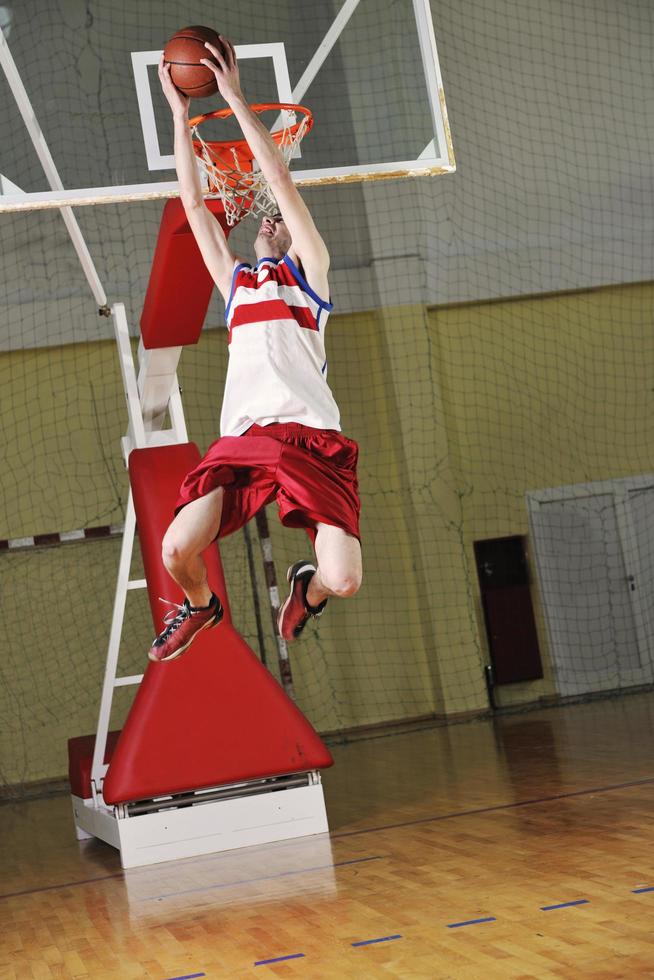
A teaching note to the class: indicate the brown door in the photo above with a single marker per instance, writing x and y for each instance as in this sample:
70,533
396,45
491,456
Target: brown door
508,612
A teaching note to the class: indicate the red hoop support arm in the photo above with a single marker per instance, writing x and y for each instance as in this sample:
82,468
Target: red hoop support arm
180,285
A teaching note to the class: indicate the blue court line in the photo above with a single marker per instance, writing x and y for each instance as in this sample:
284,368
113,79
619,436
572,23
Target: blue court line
471,922
382,939
639,891
279,959
250,881
565,905
188,976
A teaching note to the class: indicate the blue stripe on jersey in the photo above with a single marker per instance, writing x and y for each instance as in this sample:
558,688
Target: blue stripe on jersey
304,284
237,269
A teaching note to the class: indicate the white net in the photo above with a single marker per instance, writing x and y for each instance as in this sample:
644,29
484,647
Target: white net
236,178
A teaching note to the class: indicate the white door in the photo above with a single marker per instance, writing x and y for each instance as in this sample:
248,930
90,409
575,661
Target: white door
594,550
641,511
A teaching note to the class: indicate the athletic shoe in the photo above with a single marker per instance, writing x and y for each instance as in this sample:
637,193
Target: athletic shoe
182,627
296,611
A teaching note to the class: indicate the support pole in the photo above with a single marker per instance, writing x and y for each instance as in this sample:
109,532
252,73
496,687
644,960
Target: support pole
255,593
98,767
285,672
52,174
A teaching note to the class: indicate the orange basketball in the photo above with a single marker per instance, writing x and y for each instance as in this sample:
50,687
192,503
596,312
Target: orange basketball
183,52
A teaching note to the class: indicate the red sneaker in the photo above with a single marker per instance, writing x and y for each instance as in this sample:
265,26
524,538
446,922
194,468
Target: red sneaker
296,611
182,627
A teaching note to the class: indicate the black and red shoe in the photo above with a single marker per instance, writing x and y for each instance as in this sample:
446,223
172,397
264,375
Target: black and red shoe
182,627
296,611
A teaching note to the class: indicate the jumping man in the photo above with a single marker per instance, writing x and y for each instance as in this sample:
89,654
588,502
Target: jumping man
280,426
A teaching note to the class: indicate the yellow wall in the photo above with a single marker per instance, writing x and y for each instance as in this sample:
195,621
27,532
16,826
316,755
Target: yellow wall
540,393
458,411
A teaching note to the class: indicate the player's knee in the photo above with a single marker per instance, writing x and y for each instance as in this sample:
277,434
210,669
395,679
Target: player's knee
348,587
173,552
344,584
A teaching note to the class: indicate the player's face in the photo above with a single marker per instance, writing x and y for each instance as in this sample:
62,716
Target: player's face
273,238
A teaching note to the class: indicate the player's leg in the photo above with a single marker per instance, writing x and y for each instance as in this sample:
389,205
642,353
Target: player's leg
192,530
318,490
339,570
338,573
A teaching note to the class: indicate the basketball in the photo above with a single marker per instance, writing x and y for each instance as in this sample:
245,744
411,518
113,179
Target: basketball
183,53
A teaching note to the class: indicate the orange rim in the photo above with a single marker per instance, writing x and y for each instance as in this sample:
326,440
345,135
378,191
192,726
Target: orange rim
241,147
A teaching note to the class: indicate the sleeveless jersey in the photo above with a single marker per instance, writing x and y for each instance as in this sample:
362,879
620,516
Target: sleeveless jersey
277,368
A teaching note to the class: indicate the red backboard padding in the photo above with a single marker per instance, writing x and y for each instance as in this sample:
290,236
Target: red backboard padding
180,286
215,715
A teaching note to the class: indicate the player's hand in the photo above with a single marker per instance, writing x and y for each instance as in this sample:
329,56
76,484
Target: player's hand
225,69
177,101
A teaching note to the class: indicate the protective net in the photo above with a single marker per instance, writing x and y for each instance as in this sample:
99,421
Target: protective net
490,349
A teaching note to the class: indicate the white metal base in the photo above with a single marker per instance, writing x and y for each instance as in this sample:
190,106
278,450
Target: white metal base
204,828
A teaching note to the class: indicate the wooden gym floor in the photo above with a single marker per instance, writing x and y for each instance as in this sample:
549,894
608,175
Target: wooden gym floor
520,847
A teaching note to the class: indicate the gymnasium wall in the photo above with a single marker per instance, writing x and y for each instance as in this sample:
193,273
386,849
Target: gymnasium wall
496,399
553,122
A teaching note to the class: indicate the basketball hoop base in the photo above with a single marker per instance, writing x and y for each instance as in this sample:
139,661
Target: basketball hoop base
227,819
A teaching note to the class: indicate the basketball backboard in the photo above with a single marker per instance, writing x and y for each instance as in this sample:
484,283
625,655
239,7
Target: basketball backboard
368,70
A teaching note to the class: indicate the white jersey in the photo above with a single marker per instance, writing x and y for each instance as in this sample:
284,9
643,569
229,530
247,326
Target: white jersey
277,368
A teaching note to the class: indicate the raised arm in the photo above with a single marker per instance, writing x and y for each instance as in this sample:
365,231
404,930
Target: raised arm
308,245
218,257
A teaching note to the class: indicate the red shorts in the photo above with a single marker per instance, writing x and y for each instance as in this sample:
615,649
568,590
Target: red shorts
312,473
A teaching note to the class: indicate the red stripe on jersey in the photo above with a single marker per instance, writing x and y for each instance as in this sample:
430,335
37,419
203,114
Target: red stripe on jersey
283,274
278,273
272,309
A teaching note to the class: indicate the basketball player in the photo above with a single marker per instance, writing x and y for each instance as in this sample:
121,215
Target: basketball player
280,429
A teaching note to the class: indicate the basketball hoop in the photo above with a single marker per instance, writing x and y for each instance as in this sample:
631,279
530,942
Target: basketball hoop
232,171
